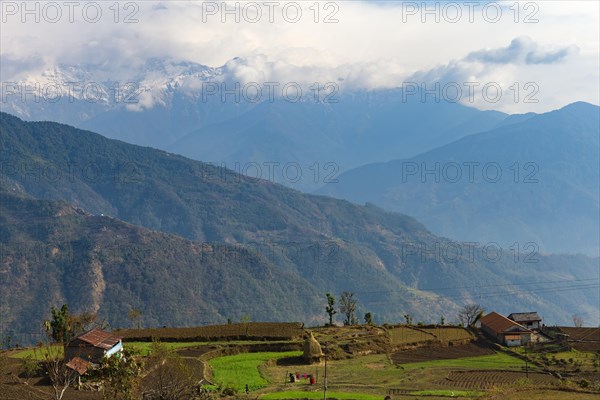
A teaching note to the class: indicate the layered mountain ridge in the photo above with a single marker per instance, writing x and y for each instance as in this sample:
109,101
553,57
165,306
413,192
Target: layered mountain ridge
280,250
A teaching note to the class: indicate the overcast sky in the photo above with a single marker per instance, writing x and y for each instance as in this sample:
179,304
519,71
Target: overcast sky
549,49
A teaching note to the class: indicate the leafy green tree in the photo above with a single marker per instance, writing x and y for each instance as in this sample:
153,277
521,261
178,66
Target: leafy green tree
60,324
121,376
408,319
330,308
64,325
348,307
442,320
368,319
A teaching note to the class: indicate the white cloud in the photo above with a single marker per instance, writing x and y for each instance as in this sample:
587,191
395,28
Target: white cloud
373,45
523,50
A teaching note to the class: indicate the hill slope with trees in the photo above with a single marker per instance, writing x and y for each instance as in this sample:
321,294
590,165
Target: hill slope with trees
299,246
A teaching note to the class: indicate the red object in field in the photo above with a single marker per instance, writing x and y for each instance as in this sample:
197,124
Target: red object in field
312,380
297,376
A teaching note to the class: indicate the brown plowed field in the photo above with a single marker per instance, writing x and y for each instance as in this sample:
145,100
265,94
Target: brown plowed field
196,351
592,334
441,353
489,379
242,331
591,347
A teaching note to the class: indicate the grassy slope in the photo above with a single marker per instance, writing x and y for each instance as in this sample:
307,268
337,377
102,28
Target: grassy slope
242,369
362,377
318,395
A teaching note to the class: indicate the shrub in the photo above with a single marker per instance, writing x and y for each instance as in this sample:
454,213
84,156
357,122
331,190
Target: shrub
583,383
31,367
229,391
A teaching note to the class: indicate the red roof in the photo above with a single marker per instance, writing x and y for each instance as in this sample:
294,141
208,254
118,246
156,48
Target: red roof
79,365
99,338
500,324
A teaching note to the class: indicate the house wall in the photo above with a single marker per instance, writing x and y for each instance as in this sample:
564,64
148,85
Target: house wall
83,350
115,349
532,325
513,342
491,333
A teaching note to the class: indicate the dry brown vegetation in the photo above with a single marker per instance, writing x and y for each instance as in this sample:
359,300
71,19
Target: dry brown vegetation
489,379
591,334
241,331
411,335
441,353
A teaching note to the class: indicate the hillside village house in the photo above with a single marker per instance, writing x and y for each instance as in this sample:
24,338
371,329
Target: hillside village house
505,331
530,320
88,349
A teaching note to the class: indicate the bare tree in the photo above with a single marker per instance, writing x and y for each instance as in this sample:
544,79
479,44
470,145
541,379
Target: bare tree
59,374
171,379
134,315
470,314
348,308
577,320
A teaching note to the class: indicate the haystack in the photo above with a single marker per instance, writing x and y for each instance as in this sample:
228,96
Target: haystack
312,349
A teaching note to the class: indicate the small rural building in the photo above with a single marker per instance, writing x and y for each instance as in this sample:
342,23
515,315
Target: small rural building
530,320
505,331
91,347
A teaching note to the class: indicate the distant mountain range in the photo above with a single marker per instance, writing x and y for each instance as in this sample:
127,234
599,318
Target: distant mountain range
184,108
77,193
531,183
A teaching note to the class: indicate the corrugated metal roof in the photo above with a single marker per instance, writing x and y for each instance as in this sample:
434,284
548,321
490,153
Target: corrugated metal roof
499,323
525,316
79,365
99,338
